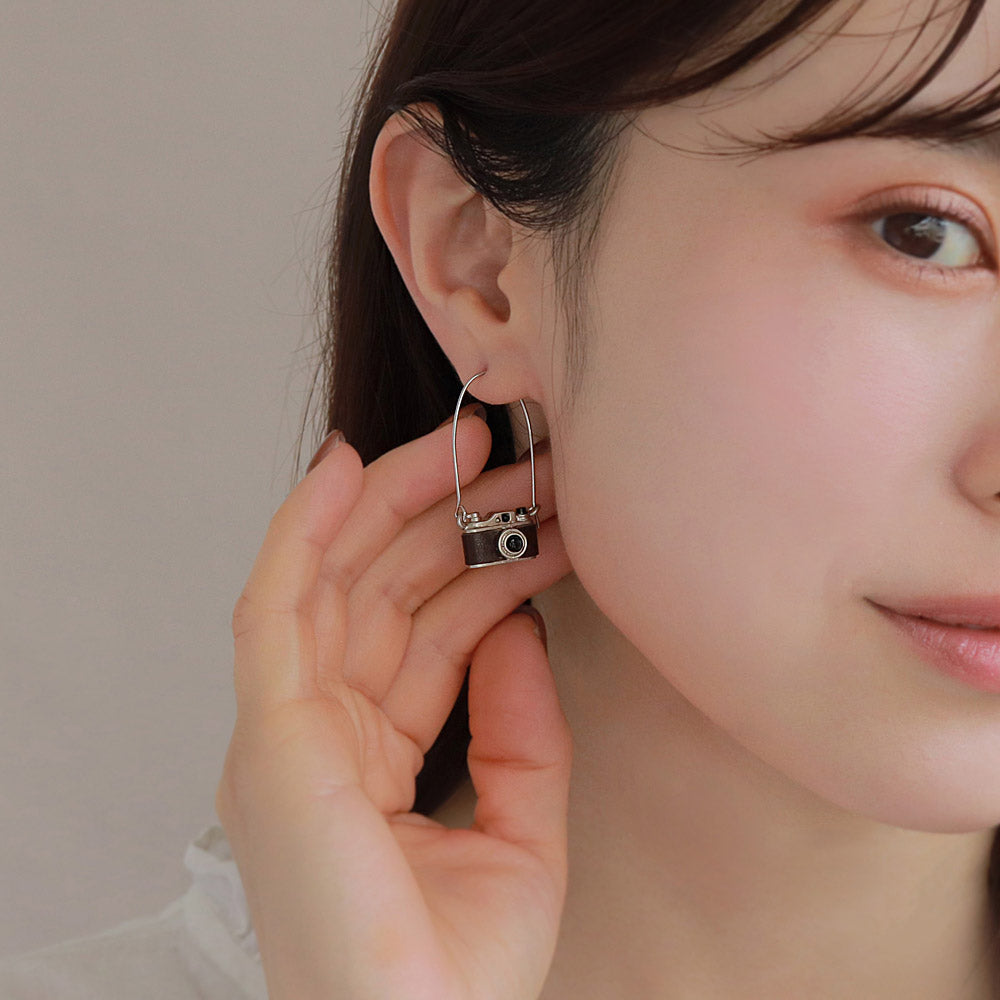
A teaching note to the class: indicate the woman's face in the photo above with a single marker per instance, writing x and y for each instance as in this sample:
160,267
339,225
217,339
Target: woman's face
786,412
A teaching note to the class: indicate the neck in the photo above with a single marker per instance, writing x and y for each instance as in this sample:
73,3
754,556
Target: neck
697,870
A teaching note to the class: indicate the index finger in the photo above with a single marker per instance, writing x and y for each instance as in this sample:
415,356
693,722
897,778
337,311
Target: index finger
273,617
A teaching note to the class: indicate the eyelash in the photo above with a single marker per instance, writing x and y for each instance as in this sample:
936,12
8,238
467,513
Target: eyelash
936,203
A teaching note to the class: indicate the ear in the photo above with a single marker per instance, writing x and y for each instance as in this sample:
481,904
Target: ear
475,277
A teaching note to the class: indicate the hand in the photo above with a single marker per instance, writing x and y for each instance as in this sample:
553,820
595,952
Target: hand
352,637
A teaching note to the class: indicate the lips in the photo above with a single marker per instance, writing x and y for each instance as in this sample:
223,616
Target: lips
981,612
959,637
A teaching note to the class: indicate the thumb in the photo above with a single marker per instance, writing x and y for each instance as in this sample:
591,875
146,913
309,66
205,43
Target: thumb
519,756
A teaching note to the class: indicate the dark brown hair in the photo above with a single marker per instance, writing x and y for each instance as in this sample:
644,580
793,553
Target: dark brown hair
530,97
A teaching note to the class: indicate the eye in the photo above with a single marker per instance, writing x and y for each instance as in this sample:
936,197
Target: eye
938,231
935,238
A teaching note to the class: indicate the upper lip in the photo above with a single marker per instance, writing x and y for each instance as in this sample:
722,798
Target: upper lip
983,610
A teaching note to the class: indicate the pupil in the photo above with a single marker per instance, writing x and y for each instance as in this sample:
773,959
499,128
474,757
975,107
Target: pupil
915,234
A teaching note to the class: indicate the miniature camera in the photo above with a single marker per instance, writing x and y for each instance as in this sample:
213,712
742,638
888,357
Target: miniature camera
500,538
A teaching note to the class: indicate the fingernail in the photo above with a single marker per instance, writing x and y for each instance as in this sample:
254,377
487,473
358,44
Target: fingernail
541,448
333,440
477,408
540,631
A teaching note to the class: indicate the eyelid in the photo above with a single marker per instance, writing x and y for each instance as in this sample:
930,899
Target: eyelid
941,202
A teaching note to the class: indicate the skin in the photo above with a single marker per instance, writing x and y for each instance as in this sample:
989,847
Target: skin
803,421
781,416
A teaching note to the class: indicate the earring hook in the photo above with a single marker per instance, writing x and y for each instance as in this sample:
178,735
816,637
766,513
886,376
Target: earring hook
461,515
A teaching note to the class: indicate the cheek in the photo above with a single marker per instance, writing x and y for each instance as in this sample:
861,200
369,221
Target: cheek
750,418
737,448
727,489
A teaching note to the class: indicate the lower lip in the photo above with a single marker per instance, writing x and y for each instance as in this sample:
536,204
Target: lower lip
969,655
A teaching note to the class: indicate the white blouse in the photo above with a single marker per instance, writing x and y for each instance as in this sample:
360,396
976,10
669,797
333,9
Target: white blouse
200,947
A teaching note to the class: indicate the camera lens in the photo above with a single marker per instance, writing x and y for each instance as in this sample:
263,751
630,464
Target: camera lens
512,543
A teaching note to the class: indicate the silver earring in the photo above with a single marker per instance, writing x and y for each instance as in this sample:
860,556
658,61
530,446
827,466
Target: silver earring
506,535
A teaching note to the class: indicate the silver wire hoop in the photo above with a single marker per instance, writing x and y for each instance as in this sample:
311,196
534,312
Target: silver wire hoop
461,515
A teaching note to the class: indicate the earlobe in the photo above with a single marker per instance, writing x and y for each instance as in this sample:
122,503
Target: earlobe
450,245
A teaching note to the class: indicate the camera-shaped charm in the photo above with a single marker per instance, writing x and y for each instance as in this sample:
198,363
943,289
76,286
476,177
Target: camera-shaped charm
506,536
499,538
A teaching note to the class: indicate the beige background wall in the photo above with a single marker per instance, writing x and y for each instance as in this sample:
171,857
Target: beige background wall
163,167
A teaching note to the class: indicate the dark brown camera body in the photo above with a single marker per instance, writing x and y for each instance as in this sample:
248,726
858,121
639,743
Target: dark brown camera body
506,536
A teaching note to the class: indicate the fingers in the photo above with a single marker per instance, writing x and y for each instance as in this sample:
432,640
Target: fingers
273,618
362,580
398,486
447,630
521,749
423,559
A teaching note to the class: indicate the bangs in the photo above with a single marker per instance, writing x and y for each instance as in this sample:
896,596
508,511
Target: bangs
881,108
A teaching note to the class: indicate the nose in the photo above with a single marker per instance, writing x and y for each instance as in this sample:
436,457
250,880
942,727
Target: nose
977,474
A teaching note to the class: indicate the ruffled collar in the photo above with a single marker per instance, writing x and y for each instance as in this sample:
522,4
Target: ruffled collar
216,914
209,859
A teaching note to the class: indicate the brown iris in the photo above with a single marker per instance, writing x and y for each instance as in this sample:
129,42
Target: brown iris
914,233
